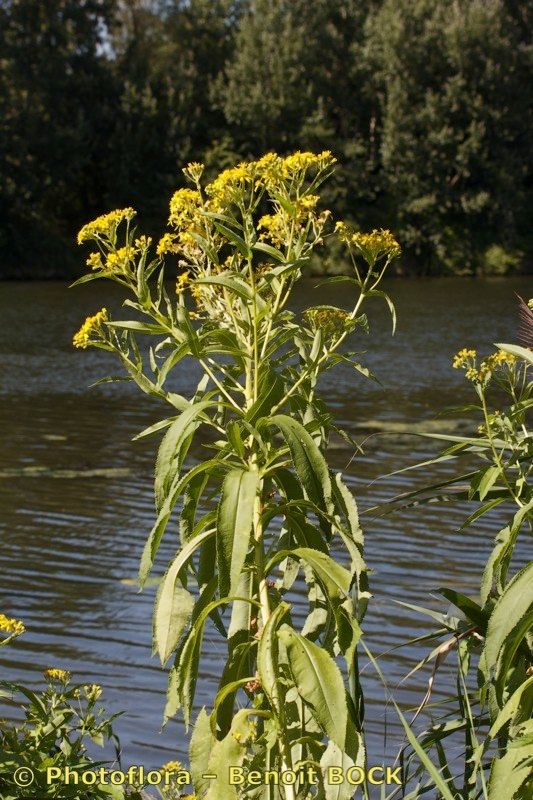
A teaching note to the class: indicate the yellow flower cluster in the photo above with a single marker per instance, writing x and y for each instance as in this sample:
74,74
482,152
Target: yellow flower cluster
307,203
373,245
226,186
300,162
172,766
105,225
95,261
143,243
55,674
92,691
499,358
166,244
182,282
184,206
274,228
466,359
91,325
463,357
329,320
11,625
269,169
193,171
120,259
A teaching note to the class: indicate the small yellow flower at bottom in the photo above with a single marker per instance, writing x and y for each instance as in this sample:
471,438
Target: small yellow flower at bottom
91,325
172,766
11,625
55,674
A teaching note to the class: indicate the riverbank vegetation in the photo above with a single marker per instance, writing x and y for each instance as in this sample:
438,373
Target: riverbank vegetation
426,106
480,740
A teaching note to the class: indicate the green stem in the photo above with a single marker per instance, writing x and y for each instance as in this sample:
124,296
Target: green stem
324,357
496,456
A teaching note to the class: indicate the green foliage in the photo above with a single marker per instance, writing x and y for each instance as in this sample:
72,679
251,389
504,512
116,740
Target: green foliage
492,632
242,242
426,105
453,139
58,724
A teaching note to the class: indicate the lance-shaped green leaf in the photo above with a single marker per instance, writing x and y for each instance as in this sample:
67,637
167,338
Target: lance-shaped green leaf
234,524
229,752
319,683
232,282
174,604
173,448
523,696
334,578
509,773
498,561
509,611
234,238
184,675
352,535
156,534
267,653
333,756
191,497
271,390
202,742
308,461
172,613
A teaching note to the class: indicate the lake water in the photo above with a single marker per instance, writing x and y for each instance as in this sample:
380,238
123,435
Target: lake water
76,497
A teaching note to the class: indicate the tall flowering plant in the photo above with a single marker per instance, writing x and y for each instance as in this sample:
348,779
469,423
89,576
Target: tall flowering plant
264,510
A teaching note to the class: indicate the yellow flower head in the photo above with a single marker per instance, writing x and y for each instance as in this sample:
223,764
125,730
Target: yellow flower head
119,260
269,169
184,207
377,244
60,675
231,183
274,227
12,626
193,171
166,245
172,766
463,358
95,261
92,325
330,320
142,243
182,282
499,359
105,225
92,691
307,202
299,162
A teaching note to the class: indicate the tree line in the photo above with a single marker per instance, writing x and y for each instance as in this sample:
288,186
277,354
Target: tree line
427,104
